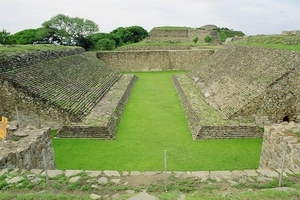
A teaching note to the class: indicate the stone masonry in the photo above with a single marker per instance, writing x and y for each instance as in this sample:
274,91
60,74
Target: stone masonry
154,60
26,152
280,139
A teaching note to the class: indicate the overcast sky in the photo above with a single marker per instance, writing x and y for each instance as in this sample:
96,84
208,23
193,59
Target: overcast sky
250,16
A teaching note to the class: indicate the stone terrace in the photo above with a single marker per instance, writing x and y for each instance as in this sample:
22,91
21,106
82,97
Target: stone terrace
236,75
74,83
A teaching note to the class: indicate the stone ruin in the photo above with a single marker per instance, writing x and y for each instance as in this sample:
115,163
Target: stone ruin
294,32
24,146
160,34
229,95
281,146
246,86
62,92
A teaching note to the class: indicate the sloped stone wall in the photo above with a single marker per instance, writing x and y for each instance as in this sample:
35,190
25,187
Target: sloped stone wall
104,119
18,60
154,60
280,101
32,110
280,139
251,82
55,92
26,153
229,129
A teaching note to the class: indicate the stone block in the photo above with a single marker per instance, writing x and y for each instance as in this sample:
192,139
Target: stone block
111,173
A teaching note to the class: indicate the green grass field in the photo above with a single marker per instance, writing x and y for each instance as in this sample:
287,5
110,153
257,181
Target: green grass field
154,121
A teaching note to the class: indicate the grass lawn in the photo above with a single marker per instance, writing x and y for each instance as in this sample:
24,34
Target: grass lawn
154,121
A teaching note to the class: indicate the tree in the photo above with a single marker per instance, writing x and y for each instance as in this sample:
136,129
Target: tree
195,40
130,34
208,39
5,37
105,44
70,28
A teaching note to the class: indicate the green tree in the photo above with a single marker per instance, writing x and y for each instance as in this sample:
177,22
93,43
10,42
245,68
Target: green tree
68,28
5,37
105,44
130,34
27,36
195,40
208,39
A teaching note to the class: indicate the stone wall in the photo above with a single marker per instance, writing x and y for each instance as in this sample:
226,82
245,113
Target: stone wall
278,140
26,153
226,132
103,121
281,100
294,32
32,110
56,92
153,60
174,36
251,82
215,130
14,61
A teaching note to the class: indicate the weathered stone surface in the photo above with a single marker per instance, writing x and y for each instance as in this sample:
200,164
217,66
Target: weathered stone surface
15,179
95,196
201,174
74,179
268,172
154,60
52,173
251,172
144,196
102,180
72,172
93,173
27,152
149,173
36,171
111,173
135,173
280,139
115,180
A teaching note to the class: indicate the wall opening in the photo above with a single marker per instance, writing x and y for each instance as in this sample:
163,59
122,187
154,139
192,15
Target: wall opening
286,119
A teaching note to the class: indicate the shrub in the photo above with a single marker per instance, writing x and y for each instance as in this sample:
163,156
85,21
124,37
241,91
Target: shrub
195,40
208,39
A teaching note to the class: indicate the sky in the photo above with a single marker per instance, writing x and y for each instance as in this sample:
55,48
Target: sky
250,16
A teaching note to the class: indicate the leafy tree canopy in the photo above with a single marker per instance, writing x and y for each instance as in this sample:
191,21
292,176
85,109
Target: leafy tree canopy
5,37
131,34
66,27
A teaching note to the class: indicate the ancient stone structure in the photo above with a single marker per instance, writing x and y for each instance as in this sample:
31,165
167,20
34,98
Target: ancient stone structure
18,60
294,32
160,34
55,92
204,121
102,122
246,86
26,152
155,60
251,83
280,139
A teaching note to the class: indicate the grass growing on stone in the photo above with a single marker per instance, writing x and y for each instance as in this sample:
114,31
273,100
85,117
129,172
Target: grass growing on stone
286,42
13,49
154,121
